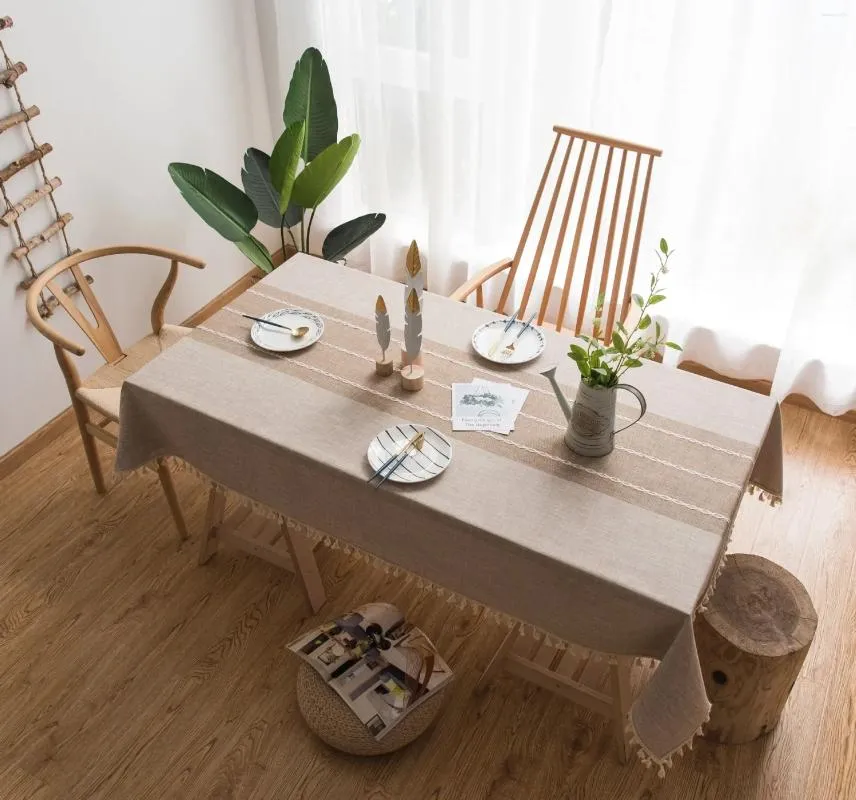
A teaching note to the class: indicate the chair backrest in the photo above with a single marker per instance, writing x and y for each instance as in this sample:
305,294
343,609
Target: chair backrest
607,172
99,331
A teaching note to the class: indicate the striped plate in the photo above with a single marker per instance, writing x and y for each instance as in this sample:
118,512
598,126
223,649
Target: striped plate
418,465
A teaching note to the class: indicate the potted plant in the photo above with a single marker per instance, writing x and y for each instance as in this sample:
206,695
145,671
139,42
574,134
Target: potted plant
591,420
284,189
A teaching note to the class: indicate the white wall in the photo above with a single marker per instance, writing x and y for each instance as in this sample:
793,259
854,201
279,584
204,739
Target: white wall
124,88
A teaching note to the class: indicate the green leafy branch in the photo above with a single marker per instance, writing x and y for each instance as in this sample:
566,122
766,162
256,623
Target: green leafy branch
603,363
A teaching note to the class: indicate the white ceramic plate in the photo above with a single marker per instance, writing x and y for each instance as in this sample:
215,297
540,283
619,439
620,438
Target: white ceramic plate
279,341
528,347
418,465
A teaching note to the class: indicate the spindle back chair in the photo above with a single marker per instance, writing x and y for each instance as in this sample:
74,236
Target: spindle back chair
100,400
582,169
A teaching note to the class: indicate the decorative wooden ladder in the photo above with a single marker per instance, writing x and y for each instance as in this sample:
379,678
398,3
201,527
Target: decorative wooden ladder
44,192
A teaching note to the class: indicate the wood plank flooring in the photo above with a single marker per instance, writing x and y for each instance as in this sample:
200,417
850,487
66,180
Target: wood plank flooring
126,671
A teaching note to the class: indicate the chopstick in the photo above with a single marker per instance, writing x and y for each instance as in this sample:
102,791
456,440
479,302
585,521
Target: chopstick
396,460
508,323
267,322
395,455
419,435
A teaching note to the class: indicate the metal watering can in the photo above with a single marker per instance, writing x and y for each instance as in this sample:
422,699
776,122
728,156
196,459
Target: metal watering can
591,417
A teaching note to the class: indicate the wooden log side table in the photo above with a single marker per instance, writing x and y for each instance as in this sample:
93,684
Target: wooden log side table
752,641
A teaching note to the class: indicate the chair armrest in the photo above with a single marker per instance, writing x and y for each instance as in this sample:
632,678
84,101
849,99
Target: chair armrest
44,280
475,283
159,305
48,331
144,250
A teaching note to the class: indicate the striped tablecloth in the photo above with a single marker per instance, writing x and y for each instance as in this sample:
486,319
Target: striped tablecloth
614,553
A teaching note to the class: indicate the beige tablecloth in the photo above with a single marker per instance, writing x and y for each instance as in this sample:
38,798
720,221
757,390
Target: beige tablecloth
614,553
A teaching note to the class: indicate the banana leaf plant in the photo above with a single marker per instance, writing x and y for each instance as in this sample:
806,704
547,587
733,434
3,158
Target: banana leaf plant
285,188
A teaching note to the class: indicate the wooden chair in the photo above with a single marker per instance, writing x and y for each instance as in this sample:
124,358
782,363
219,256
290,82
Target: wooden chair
96,401
606,171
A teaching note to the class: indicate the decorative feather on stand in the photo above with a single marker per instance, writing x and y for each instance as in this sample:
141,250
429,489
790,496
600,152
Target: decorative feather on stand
383,365
415,278
412,327
382,328
412,374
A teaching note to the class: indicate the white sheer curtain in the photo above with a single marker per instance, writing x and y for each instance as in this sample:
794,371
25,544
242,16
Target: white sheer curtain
752,103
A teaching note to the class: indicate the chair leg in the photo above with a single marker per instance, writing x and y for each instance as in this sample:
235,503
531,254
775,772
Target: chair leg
213,521
172,498
305,567
89,448
619,677
495,666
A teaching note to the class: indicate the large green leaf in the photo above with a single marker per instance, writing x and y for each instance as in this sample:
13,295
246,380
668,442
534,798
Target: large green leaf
321,175
293,215
310,98
345,237
257,184
221,204
284,160
253,249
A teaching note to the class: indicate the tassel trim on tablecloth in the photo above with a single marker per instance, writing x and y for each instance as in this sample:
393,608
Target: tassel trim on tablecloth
651,761
452,598
765,495
720,565
644,754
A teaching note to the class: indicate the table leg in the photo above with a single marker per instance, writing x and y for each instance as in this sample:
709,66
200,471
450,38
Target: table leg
619,677
495,666
305,567
213,521
165,477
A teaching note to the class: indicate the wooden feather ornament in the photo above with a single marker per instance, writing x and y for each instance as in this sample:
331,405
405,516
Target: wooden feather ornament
383,365
382,328
412,375
412,326
415,278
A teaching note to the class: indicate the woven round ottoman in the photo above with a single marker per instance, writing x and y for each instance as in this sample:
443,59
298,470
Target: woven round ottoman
333,722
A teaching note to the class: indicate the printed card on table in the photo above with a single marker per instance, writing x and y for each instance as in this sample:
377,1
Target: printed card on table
485,406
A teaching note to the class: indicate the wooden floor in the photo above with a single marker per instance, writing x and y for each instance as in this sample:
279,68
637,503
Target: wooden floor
126,671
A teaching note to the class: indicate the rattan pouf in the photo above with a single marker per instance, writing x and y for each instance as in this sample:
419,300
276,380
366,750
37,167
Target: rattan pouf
333,722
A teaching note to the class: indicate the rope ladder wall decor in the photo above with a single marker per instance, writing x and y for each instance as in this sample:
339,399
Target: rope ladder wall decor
11,214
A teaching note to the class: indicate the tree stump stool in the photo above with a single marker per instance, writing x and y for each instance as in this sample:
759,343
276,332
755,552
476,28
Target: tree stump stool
752,641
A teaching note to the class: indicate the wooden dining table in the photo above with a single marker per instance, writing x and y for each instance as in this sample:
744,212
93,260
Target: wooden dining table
615,554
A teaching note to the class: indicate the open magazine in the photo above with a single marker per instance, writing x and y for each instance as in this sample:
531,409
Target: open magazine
378,663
